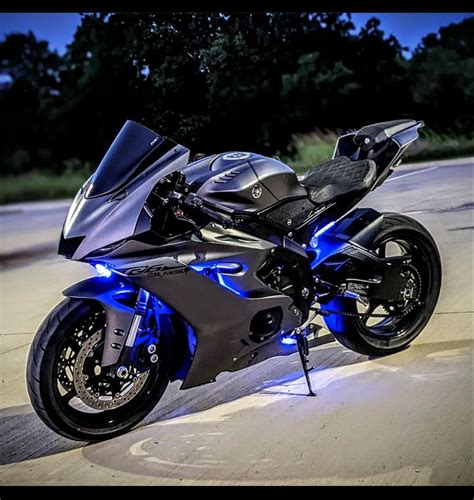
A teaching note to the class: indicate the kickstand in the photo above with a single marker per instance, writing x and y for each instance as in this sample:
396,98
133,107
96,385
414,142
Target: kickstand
302,343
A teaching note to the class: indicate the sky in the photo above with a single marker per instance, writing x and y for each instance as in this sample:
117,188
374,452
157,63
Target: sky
59,29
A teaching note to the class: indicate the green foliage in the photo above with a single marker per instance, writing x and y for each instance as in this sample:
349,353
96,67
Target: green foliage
441,77
310,149
79,167
435,146
33,70
18,161
39,186
316,147
216,82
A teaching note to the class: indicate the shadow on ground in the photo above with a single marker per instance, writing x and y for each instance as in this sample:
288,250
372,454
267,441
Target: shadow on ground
228,442
22,426
190,432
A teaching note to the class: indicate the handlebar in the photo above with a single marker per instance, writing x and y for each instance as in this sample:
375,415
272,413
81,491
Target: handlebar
197,203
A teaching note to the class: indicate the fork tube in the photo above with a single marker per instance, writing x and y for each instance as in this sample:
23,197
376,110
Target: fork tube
140,311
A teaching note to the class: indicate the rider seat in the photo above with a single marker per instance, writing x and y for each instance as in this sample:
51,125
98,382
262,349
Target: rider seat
338,177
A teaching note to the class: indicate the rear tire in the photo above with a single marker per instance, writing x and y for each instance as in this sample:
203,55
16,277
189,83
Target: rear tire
353,333
43,382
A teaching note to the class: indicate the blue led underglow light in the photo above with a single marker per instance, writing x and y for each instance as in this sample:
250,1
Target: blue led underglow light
199,267
314,240
221,272
103,270
288,341
222,281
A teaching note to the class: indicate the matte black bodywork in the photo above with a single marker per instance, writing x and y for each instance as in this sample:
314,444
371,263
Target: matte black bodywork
243,182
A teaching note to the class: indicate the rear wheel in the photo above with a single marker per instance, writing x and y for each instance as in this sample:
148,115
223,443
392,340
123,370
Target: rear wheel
70,391
376,336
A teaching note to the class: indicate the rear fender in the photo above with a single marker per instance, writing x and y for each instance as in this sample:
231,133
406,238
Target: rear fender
118,315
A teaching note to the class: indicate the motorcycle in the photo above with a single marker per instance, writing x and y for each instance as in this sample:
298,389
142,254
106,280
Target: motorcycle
218,264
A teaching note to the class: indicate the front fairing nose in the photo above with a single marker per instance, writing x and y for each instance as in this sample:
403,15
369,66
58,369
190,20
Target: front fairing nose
104,220
84,214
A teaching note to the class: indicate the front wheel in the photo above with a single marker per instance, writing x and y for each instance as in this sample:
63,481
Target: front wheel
70,391
399,235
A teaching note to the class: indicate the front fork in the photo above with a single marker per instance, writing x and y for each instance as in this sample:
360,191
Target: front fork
129,355
124,321
141,306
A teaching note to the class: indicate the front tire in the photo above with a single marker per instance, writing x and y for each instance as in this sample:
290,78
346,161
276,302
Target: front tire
388,337
53,390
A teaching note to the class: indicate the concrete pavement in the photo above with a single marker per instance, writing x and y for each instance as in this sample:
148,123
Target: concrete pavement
403,419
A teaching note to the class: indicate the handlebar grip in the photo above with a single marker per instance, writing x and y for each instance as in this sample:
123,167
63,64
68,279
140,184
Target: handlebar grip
196,203
221,219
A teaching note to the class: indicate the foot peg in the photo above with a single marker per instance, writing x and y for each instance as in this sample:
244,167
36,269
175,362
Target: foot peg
303,349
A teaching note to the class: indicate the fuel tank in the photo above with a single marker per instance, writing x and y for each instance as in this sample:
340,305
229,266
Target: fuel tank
243,182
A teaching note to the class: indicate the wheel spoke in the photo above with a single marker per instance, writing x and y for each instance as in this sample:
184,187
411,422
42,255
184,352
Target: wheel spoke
383,250
69,395
372,306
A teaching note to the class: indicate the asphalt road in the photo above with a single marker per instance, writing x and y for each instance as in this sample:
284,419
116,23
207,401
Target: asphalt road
402,419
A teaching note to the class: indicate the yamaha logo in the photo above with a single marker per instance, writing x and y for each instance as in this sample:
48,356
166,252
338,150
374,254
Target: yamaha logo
238,155
257,191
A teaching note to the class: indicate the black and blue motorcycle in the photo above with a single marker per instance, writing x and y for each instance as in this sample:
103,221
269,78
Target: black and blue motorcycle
219,264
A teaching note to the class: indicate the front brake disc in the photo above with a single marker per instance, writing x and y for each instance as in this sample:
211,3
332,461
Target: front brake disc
93,386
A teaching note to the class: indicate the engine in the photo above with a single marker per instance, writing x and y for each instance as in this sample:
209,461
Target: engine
288,274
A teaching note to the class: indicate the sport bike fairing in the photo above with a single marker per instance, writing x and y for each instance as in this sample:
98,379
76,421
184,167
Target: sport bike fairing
219,264
210,279
107,207
201,286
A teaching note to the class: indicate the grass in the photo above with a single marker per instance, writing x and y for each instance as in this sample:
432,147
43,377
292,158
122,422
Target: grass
318,146
433,146
40,186
308,151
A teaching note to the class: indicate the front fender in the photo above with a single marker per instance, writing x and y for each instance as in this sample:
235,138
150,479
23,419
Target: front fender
118,315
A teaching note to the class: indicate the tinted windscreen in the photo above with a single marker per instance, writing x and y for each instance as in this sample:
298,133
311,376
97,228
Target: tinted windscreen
125,158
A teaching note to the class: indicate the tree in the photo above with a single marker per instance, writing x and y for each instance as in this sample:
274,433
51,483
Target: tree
441,75
98,91
33,72
224,81
378,68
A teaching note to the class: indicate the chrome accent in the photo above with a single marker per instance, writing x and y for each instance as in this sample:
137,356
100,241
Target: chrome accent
132,334
148,211
307,322
122,372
